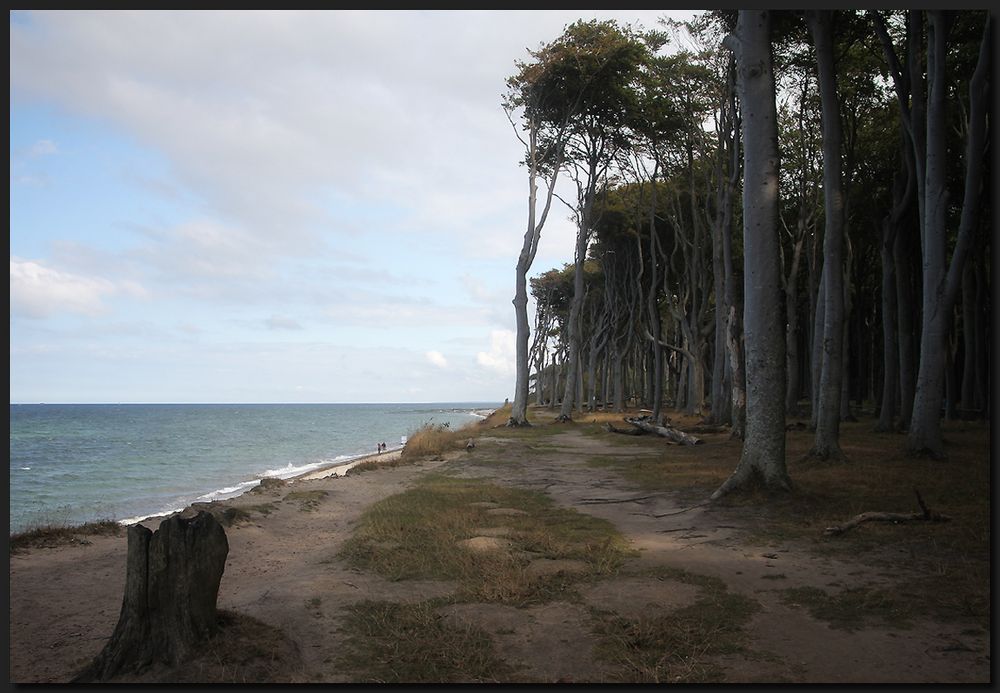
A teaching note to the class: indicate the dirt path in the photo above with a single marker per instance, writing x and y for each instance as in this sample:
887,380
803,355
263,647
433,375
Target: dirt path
704,540
282,570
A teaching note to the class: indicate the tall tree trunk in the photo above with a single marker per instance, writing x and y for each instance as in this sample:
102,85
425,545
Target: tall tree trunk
827,441
890,360
792,329
575,326
519,408
940,281
816,353
982,347
653,306
763,457
969,338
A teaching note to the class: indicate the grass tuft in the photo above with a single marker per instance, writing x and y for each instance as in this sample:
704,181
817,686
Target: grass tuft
417,534
308,500
853,608
51,536
678,646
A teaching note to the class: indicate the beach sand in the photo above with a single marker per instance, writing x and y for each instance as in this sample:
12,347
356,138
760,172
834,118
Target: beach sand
65,601
342,469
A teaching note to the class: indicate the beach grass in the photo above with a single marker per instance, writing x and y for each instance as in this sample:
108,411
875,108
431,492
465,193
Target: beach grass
678,646
484,536
412,643
50,536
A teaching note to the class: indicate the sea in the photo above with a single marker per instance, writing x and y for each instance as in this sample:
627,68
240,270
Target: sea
77,463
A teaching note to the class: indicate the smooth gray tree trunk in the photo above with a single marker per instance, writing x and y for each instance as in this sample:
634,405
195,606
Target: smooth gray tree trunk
941,279
762,460
827,442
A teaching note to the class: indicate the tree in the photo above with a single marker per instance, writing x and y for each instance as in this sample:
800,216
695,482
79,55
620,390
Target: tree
942,279
763,458
609,61
827,442
548,102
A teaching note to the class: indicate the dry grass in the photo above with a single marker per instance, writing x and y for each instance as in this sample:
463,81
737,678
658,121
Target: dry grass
416,535
433,440
677,647
944,567
411,643
308,500
51,536
853,608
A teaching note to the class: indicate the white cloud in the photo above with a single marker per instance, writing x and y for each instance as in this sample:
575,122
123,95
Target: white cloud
37,291
437,359
43,148
500,357
276,322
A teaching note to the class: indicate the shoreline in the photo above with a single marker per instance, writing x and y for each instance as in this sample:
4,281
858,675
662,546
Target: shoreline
341,468
331,468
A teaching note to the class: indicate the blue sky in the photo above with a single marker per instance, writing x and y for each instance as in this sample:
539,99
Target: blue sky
269,206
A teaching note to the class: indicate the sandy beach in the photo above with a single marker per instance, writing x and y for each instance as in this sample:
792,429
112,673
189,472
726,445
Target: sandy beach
283,570
342,469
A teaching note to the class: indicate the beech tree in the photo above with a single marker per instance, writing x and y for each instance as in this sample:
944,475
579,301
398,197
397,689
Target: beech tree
763,458
610,58
652,308
547,101
941,278
827,442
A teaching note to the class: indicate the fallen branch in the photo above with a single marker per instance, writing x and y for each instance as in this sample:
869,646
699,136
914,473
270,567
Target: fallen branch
625,431
927,515
668,432
635,499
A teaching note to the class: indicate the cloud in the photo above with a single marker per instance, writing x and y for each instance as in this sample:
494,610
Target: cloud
437,358
501,356
279,323
37,291
43,148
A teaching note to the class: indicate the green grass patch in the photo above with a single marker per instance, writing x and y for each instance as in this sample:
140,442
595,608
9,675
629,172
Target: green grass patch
417,534
51,536
308,500
412,643
853,608
678,646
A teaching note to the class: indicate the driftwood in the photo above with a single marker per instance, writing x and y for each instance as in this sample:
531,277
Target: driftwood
664,431
172,581
927,515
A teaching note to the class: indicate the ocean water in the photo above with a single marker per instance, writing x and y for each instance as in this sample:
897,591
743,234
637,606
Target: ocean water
75,463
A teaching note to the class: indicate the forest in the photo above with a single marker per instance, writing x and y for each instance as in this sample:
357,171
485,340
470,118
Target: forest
778,214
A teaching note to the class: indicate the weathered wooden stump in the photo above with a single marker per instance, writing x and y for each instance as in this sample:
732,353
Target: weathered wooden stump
171,586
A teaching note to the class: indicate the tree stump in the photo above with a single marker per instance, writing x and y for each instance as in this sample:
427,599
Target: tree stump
171,586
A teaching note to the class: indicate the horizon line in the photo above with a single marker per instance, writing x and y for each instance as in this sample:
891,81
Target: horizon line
448,401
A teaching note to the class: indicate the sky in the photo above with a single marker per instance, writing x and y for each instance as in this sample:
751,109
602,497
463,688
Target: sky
250,206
